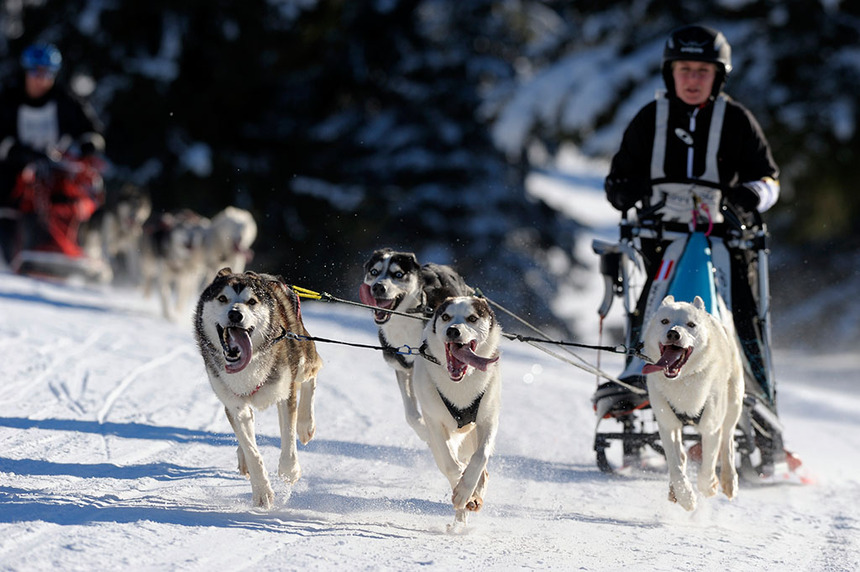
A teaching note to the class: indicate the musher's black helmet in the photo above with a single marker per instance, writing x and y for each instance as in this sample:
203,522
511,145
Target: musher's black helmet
700,44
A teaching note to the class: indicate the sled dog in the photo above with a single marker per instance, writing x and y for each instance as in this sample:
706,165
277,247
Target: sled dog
458,384
697,380
396,281
228,240
173,258
113,234
240,325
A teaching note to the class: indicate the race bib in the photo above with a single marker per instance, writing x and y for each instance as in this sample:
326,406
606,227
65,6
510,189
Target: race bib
683,201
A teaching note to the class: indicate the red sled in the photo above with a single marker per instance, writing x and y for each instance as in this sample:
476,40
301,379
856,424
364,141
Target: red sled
54,199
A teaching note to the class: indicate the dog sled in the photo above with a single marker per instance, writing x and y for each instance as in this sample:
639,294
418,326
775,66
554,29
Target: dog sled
54,198
695,259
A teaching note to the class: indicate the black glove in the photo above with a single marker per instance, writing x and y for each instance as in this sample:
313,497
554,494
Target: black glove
87,149
21,155
623,193
745,197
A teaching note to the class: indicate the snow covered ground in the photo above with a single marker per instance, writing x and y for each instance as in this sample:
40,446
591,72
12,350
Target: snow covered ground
116,454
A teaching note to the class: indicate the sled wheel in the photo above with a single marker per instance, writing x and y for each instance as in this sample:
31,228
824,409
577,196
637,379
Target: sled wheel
600,446
631,443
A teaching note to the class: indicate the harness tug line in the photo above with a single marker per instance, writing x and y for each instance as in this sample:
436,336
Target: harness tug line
405,349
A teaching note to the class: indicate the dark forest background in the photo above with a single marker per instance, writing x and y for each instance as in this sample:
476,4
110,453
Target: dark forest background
349,125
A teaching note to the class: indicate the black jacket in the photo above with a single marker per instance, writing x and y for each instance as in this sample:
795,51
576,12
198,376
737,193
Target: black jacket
744,154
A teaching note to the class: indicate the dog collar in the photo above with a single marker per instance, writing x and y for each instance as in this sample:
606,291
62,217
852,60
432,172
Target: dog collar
462,416
255,390
425,353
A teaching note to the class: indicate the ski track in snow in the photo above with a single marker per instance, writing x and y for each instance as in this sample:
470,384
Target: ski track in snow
117,455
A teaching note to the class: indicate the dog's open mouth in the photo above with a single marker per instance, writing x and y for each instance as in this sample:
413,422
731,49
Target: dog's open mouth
672,359
461,356
236,343
379,316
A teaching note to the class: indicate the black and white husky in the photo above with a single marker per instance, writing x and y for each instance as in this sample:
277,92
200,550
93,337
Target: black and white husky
458,384
396,281
241,326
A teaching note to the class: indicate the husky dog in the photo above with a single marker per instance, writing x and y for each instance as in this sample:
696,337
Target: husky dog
228,240
697,380
173,258
113,234
458,385
241,327
396,281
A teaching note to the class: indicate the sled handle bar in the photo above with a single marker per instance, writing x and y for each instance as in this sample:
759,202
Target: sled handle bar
727,210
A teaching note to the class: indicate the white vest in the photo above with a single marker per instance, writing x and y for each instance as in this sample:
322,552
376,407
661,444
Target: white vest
683,199
38,127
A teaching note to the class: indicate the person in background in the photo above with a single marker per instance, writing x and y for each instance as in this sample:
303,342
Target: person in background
39,119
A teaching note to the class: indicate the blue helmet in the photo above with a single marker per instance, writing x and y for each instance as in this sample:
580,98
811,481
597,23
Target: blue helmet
45,56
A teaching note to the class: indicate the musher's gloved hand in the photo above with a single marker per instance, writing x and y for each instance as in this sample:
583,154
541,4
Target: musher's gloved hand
623,193
87,149
744,196
22,155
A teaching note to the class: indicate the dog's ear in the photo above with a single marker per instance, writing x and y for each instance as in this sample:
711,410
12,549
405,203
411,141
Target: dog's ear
413,259
440,310
669,299
699,303
224,272
376,255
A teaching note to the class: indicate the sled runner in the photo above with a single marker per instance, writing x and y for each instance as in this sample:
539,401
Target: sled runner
692,262
55,197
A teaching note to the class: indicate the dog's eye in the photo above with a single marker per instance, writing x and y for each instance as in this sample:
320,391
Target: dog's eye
374,272
252,302
445,317
691,324
222,298
472,319
399,275
664,321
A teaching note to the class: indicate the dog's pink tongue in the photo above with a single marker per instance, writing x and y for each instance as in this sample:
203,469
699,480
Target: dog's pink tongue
466,355
238,340
365,296
670,355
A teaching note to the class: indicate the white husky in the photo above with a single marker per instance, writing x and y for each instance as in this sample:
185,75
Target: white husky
228,240
459,388
697,380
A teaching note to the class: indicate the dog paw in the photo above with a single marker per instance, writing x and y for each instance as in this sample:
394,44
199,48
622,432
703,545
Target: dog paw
306,431
729,482
263,497
290,472
461,497
459,524
475,504
708,484
683,495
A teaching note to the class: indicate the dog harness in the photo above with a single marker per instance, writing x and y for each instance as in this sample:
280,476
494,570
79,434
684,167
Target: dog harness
393,352
462,416
687,419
